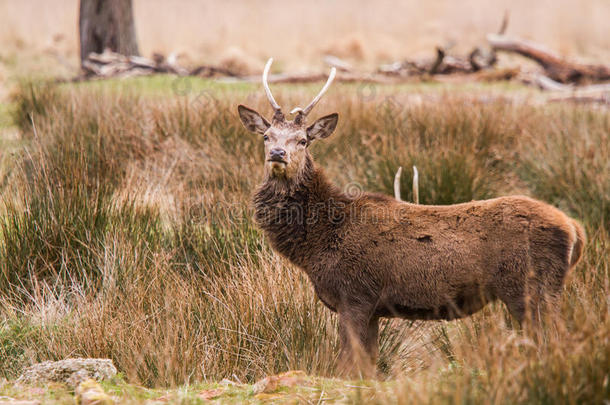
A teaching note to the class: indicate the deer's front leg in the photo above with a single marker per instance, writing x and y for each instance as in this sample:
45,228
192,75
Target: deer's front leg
358,332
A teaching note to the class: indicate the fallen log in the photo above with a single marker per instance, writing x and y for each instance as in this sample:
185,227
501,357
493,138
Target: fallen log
558,92
442,64
546,83
555,67
582,99
339,64
211,71
343,77
110,64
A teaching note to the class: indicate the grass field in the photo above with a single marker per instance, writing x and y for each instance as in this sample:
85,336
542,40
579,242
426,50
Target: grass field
127,233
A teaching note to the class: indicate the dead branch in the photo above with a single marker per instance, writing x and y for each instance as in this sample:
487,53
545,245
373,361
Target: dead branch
343,77
555,67
546,83
504,24
440,55
442,64
603,98
595,93
110,64
211,71
339,64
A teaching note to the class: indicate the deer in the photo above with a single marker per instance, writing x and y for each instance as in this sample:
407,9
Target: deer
371,256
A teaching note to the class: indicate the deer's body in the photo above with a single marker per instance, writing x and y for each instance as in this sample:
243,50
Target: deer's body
372,256
381,257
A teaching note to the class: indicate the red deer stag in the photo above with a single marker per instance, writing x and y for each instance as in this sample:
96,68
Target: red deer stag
372,256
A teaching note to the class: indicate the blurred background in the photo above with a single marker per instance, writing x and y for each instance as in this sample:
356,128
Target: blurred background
297,33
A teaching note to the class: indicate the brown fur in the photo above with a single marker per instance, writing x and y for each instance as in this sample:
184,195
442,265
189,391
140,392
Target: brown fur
372,256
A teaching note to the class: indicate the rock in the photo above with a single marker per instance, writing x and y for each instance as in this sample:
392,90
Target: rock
75,379
162,399
70,371
89,392
274,382
211,394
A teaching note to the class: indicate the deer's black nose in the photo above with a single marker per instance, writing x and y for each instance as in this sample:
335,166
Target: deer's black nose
277,153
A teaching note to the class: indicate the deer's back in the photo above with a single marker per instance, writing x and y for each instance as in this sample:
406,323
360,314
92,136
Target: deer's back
420,255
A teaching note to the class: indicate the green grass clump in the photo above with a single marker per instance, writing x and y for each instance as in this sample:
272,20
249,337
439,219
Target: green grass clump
574,171
33,99
15,340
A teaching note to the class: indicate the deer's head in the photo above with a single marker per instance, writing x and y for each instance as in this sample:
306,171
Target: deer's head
286,141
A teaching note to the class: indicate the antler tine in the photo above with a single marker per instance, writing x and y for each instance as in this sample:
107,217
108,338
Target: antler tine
306,110
274,104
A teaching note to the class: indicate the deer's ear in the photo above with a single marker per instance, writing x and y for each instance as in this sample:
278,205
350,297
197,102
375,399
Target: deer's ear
252,120
323,127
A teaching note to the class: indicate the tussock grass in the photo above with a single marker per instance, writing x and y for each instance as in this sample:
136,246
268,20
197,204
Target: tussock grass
127,233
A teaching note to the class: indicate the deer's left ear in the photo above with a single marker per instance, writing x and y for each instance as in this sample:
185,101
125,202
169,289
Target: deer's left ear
252,120
323,127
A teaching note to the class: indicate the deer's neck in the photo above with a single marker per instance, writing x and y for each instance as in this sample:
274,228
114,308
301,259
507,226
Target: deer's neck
303,217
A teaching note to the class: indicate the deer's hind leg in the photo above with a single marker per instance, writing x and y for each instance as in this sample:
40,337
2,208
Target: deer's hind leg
520,284
530,298
358,332
508,284
550,249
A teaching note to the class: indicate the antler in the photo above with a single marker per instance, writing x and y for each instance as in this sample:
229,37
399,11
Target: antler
303,112
277,115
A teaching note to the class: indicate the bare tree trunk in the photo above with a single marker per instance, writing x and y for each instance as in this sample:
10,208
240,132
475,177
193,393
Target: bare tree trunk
107,24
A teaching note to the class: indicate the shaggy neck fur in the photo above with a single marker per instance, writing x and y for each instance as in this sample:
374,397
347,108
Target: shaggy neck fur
301,216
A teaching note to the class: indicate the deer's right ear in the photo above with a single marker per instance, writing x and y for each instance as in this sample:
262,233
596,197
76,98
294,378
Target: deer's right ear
252,120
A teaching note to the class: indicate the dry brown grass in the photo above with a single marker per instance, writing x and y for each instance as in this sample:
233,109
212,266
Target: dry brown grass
127,234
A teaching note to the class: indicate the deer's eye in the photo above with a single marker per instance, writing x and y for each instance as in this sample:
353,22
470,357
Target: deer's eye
265,138
303,142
